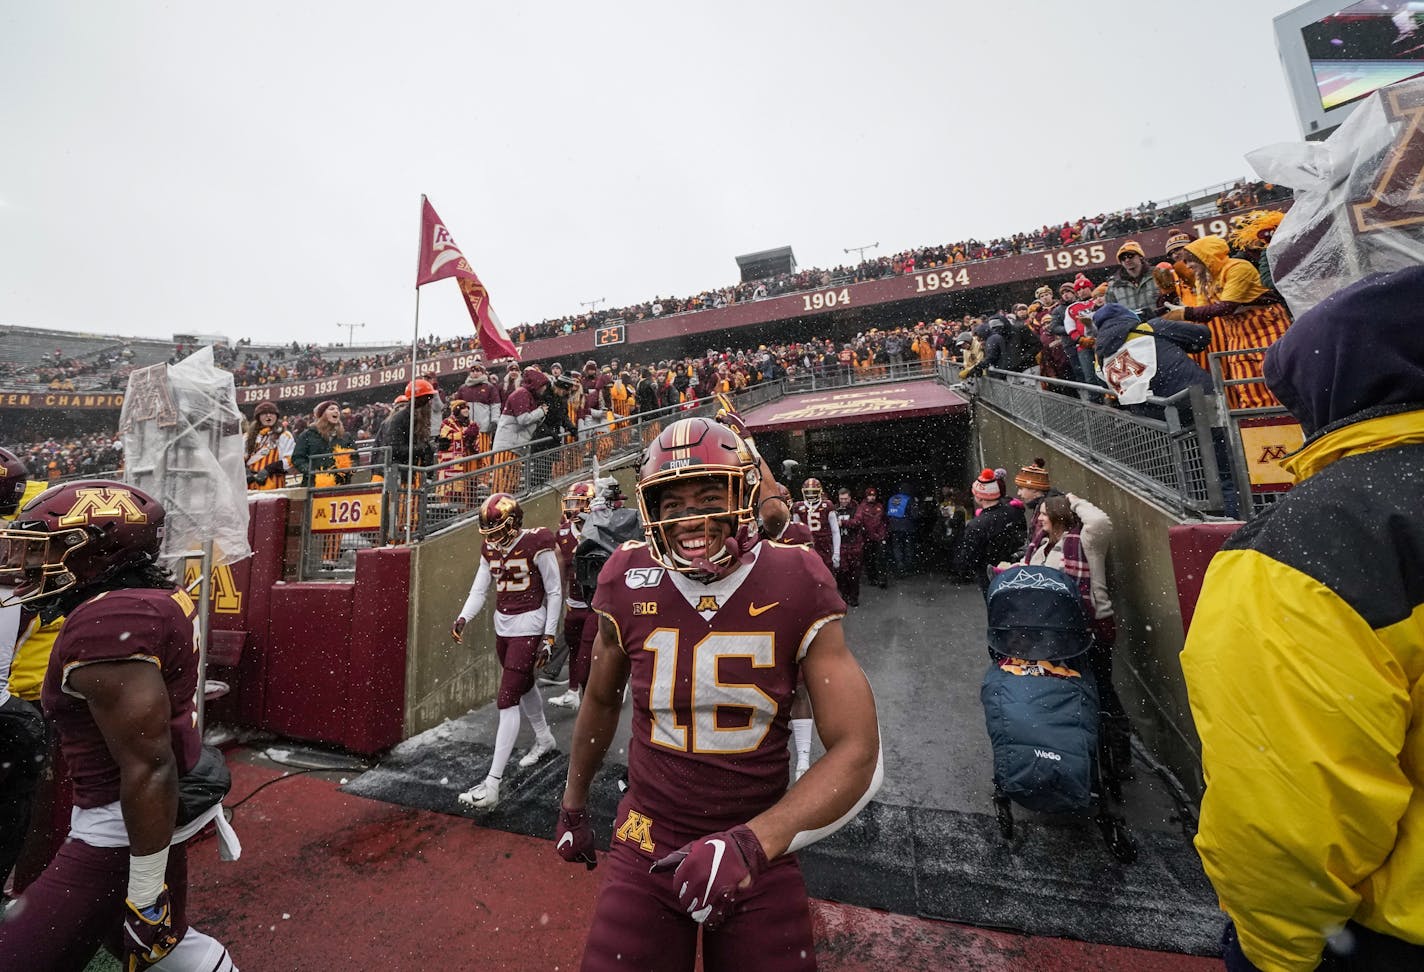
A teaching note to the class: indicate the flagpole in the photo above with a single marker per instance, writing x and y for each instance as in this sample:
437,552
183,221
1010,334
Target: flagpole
410,403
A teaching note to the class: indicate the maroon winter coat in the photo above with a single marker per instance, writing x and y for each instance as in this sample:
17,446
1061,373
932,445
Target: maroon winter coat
872,516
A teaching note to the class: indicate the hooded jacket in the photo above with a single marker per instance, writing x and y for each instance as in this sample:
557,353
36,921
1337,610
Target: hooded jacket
1233,282
522,413
1174,339
1305,660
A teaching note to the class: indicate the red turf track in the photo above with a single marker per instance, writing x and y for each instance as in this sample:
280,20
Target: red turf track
330,881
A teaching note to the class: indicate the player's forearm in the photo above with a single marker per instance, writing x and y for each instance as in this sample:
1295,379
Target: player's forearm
835,788
148,798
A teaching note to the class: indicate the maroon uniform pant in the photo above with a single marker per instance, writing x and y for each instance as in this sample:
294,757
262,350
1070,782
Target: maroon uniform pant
77,905
638,923
848,577
516,657
581,655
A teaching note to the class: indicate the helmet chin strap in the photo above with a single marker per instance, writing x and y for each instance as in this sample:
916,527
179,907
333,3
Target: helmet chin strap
708,569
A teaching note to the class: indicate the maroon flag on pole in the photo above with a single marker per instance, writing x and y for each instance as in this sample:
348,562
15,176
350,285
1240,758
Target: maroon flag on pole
441,258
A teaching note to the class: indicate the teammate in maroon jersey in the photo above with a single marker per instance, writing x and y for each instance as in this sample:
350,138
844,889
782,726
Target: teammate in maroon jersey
121,690
713,639
819,516
523,567
577,614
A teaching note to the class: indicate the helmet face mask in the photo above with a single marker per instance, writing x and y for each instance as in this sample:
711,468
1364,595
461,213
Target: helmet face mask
501,518
715,459
577,501
74,536
811,493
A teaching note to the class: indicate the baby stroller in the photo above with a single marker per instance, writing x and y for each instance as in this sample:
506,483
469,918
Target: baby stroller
1041,706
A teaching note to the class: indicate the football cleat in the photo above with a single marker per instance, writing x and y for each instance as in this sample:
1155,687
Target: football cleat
481,796
542,745
569,700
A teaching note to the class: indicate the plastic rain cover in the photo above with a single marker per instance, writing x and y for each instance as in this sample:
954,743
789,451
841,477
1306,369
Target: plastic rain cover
182,436
1359,203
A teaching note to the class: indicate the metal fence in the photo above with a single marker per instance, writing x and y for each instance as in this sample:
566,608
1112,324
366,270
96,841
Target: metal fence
340,519
1172,459
1261,495
845,376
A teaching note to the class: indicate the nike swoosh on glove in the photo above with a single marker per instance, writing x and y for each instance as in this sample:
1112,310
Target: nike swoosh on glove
713,872
148,933
573,838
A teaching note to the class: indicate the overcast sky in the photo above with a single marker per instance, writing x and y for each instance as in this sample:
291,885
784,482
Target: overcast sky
255,170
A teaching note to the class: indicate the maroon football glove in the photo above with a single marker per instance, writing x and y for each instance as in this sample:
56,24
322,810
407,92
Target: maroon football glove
573,838
148,933
713,872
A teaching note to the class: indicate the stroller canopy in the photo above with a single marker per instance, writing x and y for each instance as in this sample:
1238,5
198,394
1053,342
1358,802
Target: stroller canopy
1036,613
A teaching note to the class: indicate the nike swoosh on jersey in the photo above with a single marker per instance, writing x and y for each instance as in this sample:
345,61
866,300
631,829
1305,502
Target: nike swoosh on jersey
754,611
568,838
718,847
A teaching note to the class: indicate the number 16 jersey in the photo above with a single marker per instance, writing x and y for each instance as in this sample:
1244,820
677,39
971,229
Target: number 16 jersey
713,668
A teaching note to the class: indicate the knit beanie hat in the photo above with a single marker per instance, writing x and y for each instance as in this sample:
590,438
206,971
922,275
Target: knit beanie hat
1081,282
986,487
316,412
1176,240
1034,476
263,408
1131,246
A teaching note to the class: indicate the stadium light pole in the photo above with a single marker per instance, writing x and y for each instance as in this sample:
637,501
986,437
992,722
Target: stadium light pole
592,305
860,250
350,331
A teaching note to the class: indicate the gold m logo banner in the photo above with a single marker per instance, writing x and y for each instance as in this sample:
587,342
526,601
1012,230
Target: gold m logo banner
227,599
637,829
103,502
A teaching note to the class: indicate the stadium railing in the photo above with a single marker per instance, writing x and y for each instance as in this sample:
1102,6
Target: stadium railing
842,376
1265,487
339,519
1172,459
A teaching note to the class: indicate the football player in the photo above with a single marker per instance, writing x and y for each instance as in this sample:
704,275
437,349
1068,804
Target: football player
523,567
819,516
713,639
121,692
577,643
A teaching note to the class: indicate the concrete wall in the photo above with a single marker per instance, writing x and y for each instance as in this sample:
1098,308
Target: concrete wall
444,679
1143,588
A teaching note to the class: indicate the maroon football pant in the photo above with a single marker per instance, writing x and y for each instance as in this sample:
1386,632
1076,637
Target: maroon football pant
638,923
516,657
77,905
848,577
579,625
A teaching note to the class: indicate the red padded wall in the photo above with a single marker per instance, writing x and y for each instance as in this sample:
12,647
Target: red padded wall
307,671
375,702
1192,548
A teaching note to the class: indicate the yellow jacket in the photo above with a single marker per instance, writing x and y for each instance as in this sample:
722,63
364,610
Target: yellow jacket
1305,671
27,670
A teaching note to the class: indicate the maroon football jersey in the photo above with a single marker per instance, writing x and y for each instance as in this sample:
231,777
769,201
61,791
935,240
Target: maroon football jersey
127,625
518,585
567,540
818,523
713,670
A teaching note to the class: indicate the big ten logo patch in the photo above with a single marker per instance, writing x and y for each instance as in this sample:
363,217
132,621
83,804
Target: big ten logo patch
637,829
648,608
226,598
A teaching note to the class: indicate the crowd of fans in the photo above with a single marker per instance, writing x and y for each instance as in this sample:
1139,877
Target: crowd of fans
110,368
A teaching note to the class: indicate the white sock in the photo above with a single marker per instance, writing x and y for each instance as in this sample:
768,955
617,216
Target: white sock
504,741
531,703
801,730
197,953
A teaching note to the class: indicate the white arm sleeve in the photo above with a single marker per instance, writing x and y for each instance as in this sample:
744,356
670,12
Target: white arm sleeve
548,564
286,445
479,590
806,837
835,526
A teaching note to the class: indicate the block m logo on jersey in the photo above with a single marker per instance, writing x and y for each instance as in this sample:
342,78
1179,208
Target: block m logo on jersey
103,501
637,829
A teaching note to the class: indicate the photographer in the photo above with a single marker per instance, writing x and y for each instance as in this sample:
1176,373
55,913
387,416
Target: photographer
557,421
